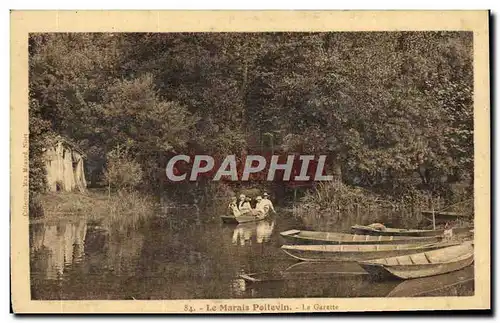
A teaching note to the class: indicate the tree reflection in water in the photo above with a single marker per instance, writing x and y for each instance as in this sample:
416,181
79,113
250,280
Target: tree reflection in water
76,260
58,246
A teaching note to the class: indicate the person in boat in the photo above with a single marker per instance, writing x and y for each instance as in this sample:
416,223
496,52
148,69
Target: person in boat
267,204
261,208
245,206
234,202
241,201
233,206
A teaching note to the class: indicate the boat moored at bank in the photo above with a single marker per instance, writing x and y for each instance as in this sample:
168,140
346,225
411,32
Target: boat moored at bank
318,237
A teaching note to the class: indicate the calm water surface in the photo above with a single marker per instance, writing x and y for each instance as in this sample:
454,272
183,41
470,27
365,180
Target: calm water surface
179,259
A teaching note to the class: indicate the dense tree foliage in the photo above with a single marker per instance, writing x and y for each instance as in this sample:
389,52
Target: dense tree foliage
385,107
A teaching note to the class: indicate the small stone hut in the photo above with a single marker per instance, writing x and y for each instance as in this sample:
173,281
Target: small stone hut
64,165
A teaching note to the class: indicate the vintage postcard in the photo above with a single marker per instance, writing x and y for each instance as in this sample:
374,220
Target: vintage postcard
249,161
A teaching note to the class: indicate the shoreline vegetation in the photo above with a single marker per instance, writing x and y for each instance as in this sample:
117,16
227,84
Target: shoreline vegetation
330,202
120,210
334,200
391,111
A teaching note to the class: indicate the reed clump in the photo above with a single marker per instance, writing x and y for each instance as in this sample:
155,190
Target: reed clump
336,201
118,210
128,209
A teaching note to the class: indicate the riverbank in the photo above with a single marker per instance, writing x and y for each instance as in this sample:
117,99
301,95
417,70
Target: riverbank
119,209
62,204
333,202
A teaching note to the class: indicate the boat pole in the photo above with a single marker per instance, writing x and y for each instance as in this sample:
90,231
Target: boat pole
433,214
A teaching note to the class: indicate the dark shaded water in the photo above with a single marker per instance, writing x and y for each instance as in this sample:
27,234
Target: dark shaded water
74,260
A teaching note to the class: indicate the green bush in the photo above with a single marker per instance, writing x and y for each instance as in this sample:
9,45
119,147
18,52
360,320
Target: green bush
122,172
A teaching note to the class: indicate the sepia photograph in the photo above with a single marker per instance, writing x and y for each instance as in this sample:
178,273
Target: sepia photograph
277,170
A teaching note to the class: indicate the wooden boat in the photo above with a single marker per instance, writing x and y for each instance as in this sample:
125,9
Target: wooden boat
231,219
317,237
316,279
431,263
306,271
354,252
364,229
434,284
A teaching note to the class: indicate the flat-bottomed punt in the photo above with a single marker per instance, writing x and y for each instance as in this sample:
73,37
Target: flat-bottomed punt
307,271
231,219
425,264
434,284
317,237
364,229
356,252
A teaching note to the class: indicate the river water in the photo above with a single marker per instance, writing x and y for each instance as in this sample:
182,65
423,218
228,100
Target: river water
167,259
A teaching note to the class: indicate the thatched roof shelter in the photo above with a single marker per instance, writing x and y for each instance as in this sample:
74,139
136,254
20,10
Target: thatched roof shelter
64,162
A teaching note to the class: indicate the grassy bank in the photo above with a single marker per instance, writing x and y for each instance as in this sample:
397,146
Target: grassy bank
118,210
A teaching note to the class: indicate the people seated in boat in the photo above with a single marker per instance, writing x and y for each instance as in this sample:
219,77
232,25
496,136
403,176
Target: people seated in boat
245,206
267,203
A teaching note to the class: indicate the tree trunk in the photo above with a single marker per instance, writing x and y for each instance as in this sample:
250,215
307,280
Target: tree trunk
336,167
